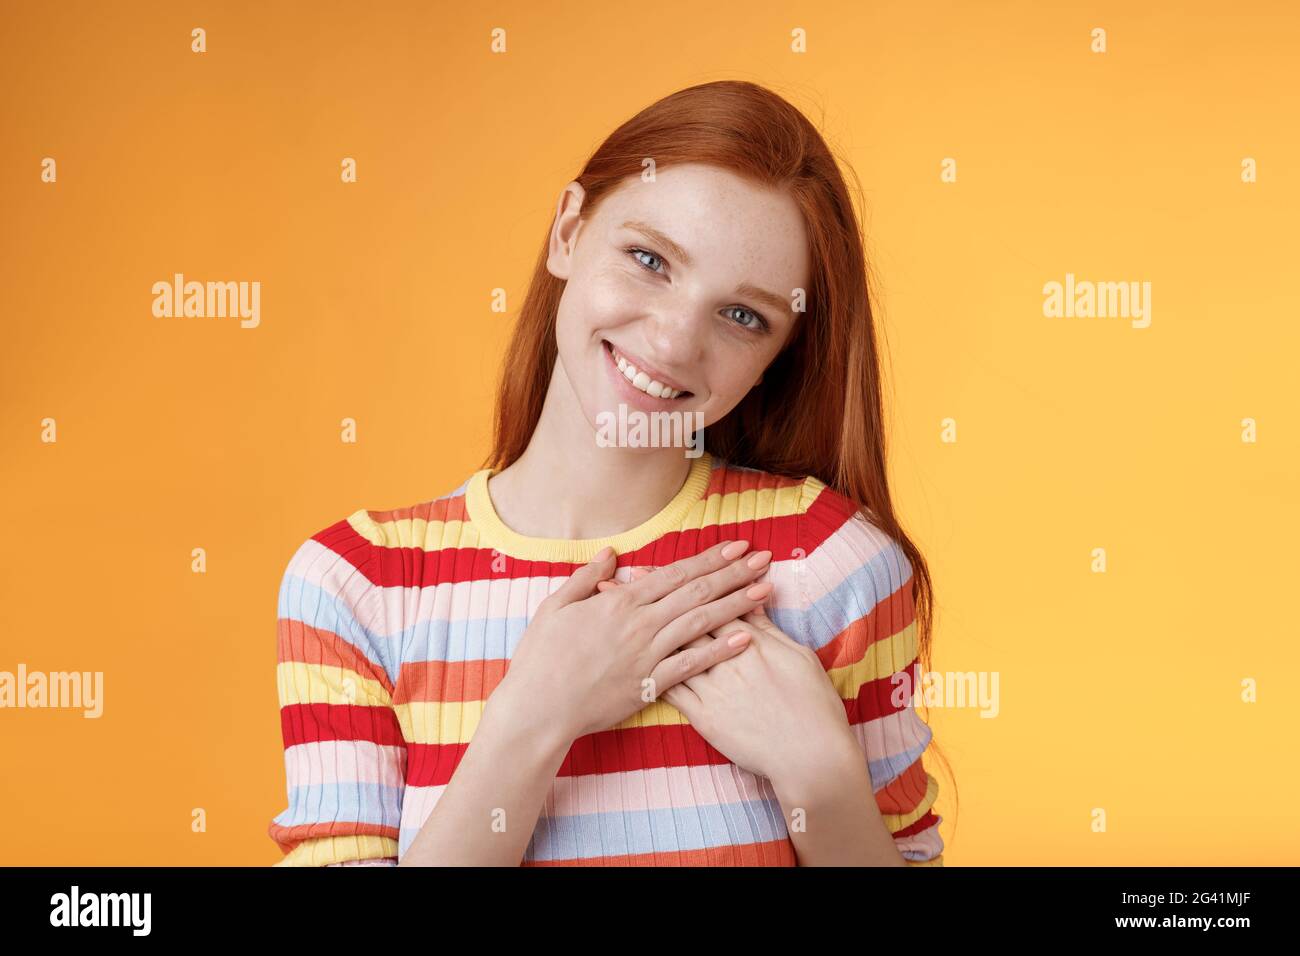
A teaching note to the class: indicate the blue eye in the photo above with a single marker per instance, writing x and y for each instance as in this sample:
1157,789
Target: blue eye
759,323
633,252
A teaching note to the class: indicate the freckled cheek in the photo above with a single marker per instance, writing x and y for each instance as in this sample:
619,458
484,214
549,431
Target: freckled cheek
734,371
609,299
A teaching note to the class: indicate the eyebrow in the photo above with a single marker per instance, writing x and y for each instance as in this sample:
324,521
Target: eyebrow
780,303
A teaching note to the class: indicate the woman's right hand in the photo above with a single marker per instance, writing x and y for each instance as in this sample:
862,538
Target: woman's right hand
589,660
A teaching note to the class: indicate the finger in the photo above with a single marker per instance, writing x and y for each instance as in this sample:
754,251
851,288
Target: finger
765,629
684,699
670,577
638,571
737,574
760,622
703,619
582,583
692,661
740,625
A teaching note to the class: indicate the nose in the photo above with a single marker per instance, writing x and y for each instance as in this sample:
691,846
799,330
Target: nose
676,340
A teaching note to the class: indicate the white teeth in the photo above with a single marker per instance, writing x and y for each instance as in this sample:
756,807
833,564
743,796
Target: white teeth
643,381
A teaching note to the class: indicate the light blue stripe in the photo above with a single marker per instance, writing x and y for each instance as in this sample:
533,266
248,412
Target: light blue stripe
888,769
664,830
351,801
852,599
302,601
478,639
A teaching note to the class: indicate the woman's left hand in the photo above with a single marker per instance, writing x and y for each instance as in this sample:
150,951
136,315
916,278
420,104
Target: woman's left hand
774,711
771,710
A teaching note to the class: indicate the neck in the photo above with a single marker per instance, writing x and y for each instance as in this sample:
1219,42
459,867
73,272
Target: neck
565,485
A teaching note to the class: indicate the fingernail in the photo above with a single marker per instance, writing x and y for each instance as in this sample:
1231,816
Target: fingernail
759,559
603,554
759,591
735,549
740,637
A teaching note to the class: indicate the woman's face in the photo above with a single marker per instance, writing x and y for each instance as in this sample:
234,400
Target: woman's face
690,278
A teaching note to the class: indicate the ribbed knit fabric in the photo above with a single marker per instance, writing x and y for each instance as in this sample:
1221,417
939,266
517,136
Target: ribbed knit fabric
395,626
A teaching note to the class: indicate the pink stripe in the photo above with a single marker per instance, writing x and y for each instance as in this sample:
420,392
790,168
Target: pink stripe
344,761
329,571
661,789
853,545
927,842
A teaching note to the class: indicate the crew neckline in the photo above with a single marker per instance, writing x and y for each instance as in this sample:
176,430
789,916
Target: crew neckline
496,534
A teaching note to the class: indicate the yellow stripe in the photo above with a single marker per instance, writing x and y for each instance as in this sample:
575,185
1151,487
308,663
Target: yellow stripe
322,851
660,713
438,722
735,506
415,532
688,510
497,534
454,722
301,683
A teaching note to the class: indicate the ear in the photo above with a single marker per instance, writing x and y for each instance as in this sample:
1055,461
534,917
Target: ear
564,230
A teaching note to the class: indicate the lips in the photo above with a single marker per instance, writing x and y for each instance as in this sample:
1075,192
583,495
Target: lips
647,381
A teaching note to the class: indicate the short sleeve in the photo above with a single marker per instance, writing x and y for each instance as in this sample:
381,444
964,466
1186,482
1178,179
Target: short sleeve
852,603
344,752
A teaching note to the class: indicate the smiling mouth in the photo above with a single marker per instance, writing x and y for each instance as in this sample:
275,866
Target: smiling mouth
641,380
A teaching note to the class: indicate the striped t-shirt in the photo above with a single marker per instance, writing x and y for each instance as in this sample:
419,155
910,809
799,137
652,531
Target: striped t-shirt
395,626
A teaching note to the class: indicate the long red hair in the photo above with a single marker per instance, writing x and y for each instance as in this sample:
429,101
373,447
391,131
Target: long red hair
818,409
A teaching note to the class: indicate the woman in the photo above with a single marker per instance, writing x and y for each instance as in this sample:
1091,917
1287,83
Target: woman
704,273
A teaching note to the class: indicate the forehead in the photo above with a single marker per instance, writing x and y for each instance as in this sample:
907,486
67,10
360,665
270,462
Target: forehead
723,220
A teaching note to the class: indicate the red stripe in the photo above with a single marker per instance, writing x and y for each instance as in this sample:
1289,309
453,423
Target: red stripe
825,516
875,697
308,723
415,567
726,479
922,823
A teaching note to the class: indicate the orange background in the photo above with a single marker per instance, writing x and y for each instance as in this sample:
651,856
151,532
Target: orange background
1117,690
